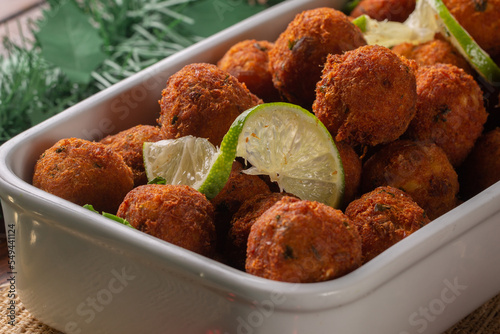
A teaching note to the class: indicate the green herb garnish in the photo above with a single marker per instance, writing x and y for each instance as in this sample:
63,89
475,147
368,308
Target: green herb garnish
158,180
379,207
109,215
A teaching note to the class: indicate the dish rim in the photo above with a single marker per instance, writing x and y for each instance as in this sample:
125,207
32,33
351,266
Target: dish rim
315,296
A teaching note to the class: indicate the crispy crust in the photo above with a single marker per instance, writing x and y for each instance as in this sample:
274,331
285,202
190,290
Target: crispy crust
84,172
433,52
239,188
301,50
384,217
420,169
242,222
302,242
174,213
380,10
202,100
450,110
366,96
128,144
353,169
248,61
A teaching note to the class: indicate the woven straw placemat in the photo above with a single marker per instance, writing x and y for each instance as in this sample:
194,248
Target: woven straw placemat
23,320
485,320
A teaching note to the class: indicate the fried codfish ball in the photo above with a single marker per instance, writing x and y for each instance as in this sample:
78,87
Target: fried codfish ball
421,169
248,61
450,110
380,10
352,165
481,169
175,213
84,172
203,101
238,188
366,96
128,144
481,19
300,51
383,217
302,242
433,52
242,222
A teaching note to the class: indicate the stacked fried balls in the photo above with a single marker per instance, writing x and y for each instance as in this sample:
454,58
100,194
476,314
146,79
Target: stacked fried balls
412,125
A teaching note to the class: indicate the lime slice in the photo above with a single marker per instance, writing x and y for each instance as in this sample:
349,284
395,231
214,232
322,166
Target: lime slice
287,143
429,18
185,160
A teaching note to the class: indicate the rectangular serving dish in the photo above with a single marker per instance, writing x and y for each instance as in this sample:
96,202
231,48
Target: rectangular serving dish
82,273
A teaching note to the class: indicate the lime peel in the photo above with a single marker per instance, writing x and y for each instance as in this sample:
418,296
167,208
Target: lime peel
221,167
360,22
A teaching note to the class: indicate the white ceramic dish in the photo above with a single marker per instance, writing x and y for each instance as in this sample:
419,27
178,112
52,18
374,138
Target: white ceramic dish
82,273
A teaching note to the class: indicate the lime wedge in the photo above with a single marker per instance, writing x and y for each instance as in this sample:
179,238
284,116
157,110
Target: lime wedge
287,143
428,18
465,44
185,160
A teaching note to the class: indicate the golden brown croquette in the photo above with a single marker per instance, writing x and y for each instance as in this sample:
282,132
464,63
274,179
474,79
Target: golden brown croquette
128,143
84,172
301,50
302,242
203,101
175,213
366,96
436,51
421,169
242,222
450,110
383,217
248,61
